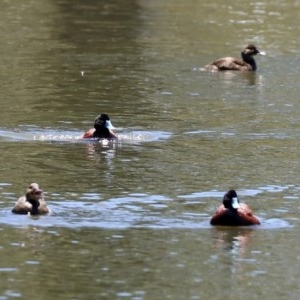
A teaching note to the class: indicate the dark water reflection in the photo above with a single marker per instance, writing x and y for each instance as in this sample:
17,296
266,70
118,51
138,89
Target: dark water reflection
130,219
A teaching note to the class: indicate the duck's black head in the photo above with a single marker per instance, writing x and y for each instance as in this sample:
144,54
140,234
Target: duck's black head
102,124
231,200
103,121
100,121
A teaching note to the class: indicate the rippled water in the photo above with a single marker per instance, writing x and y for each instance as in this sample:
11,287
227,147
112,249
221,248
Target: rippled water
130,219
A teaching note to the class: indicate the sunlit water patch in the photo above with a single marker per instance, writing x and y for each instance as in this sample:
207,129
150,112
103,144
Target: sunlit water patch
131,211
242,135
138,210
220,194
243,192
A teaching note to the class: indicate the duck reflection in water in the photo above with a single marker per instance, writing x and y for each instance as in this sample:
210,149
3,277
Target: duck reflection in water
233,78
233,213
234,240
232,252
103,129
32,202
234,64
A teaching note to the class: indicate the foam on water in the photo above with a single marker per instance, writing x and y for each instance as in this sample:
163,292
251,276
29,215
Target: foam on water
76,137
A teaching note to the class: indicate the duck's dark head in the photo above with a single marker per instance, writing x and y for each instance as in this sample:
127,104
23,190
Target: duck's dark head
103,121
33,196
247,56
103,126
250,50
231,200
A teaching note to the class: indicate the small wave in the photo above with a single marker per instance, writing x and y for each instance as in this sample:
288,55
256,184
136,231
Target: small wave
75,136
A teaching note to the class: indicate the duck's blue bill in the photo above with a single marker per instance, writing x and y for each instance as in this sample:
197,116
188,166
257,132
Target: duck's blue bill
235,203
109,125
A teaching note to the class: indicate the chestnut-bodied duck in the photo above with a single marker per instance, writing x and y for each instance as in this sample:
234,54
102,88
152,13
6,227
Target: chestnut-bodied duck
233,213
231,63
103,129
32,202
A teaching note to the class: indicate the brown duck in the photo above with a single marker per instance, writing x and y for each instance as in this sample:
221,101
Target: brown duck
247,63
233,213
32,202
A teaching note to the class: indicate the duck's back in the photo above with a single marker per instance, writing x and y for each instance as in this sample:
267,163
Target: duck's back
228,63
43,209
22,206
228,217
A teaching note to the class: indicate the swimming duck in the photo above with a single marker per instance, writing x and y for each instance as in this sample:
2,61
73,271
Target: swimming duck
32,202
233,213
235,64
103,129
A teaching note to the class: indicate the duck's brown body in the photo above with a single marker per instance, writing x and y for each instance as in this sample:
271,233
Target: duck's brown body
231,63
32,202
239,215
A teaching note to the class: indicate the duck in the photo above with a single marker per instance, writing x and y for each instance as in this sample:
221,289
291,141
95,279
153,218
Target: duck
234,64
233,213
32,202
103,129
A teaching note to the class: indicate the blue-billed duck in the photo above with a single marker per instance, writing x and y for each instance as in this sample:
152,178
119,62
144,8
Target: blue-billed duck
233,213
103,129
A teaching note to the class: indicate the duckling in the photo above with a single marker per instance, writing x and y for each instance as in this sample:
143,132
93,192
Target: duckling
233,213
231,63
103,129
32,202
